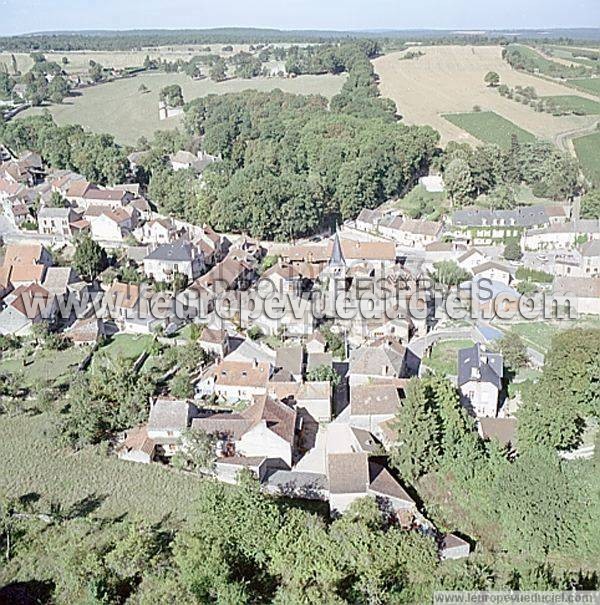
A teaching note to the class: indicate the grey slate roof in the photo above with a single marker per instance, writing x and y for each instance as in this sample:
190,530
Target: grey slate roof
170,415
475,363
175,252
528,216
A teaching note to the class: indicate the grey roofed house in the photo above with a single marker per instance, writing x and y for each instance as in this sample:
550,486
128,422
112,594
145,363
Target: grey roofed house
369,216
584,225
582,287
290,359
316,360
170,415
47,212
529,216
591,248
381,481
58,280
232,425
383,358
453,547
311,486
348,473
374,399
314,390
179,251
475,363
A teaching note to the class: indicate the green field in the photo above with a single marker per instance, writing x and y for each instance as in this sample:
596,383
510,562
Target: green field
118,108
588,84
588,152
39,366
536,61
127,346
444,357
576,104
489,127
33,463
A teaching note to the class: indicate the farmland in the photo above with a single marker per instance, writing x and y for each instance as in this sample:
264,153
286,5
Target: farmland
78,62
489,127
589,84
576,104
588,152
120,109
450,79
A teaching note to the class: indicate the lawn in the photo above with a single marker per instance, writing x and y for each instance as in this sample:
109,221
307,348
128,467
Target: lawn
444,356
51,366
120,109
489,127
588,153
575,104
34,464
589,84
536,334
129,346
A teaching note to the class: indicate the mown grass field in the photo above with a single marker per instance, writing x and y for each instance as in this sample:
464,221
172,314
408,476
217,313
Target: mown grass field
576,104
33,463
489,127
120,109
588,152
591,85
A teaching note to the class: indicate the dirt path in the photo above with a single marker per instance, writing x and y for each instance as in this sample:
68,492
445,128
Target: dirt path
564,140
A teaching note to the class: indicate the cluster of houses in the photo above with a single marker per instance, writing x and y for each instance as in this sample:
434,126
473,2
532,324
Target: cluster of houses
307,401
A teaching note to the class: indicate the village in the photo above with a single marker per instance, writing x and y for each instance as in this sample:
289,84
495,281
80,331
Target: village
306,402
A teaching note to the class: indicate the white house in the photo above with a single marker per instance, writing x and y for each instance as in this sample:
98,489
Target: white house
471,259
168,260
493,271
583,292
168,420
480,380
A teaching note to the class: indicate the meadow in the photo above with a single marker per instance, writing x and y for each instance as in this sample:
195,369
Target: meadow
120,109
588,152
450,79
575,103
489,127
34,463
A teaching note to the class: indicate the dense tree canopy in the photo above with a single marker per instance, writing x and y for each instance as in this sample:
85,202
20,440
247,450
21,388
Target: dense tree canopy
96,156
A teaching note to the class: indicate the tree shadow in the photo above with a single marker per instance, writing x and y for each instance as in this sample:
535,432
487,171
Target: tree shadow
84,507
33,592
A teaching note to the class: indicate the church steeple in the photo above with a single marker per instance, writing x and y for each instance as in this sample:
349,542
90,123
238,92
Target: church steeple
337,257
